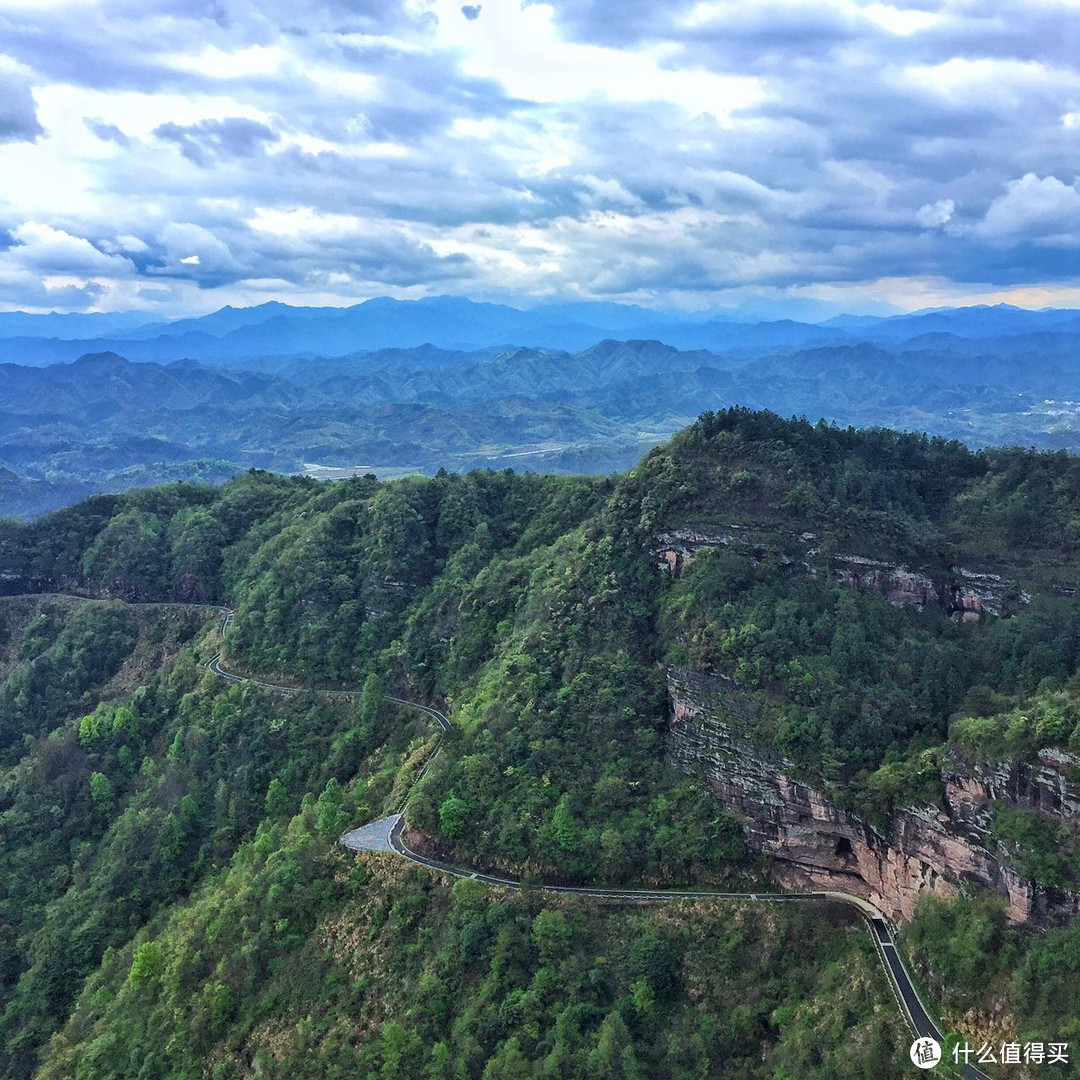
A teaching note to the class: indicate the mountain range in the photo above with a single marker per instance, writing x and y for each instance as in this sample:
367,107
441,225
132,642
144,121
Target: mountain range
460,385
276,329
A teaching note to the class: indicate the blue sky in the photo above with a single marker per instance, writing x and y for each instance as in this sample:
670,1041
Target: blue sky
178,155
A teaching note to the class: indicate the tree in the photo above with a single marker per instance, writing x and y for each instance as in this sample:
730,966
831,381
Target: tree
563,826
453,815
402,1053
399,536
329,819
552,935
278,803
196,542
509,1063
613,1056
657,961
128,559
441,1065
147,963
101,791
371,699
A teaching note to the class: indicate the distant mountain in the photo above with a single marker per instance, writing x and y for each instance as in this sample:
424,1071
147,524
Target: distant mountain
446,322
973,322
275,331
103,422
223,321
21,497
67,327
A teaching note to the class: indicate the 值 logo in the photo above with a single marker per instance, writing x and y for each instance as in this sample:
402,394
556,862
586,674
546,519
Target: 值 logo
925,1053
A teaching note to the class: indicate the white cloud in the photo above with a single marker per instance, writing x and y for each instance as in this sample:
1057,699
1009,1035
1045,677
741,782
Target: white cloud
304,222
520,47
41,247
1033,207
599,192
192,245
931,215
236,64
901,21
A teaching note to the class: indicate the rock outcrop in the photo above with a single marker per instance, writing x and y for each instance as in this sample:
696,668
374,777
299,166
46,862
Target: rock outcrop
965,593
817,844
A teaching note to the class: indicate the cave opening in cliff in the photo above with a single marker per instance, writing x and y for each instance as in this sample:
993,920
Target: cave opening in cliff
844,850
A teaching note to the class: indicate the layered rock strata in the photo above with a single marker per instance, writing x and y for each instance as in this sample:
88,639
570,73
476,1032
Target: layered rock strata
965,593
817,844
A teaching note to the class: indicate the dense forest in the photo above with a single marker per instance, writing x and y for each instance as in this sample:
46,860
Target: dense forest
172,898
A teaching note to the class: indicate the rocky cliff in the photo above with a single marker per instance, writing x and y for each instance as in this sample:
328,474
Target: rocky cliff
965,592
818,844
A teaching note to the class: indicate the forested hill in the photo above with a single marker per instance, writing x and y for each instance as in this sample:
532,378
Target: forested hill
172,897
904,494
326,578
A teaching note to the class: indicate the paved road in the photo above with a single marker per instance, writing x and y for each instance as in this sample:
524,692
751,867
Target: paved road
385,835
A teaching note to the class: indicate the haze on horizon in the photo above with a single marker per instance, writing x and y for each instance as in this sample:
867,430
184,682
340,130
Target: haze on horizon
795,158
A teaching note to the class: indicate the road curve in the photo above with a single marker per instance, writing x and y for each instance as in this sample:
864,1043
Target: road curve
386,836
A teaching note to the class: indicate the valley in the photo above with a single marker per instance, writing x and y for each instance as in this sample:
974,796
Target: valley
106,421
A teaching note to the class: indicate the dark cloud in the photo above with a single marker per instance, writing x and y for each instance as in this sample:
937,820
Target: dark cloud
106,132
18,112
235,253
159,294
635,21
31,293
219,140
734,35
127,44
422,93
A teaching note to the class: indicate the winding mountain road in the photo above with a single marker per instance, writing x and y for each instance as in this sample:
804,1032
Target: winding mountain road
385,835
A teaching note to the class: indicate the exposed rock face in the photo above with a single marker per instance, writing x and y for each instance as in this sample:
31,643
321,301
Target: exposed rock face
818,844
901,586
964,593
676,549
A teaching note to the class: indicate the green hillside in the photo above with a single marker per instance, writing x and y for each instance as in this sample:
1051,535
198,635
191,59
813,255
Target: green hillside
173,900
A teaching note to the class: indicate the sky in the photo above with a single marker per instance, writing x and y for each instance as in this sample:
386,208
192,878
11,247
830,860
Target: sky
174,156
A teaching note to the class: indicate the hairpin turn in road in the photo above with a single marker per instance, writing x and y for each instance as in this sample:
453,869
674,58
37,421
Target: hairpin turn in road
385,835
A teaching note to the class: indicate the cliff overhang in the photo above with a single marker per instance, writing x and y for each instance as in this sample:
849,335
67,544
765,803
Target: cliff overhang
815,843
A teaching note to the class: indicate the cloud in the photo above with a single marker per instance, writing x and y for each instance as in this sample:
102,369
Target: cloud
1034,208
41,247
28,291
597,192
190,250
218,140
18,112
931,215
52,269
106,132
679,152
